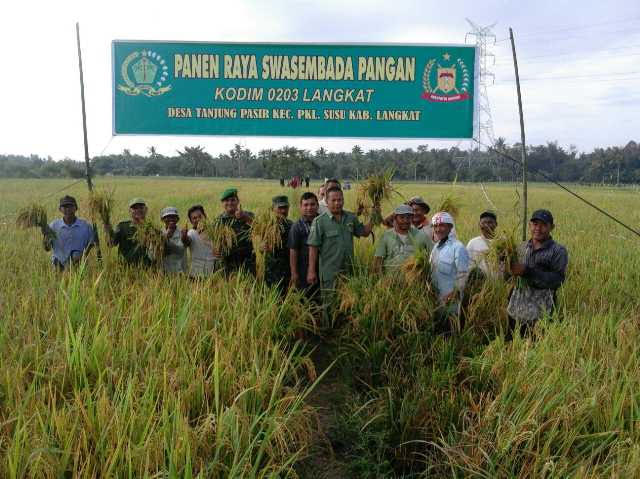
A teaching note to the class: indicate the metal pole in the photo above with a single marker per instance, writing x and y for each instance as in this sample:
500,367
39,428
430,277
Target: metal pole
523,146
84,131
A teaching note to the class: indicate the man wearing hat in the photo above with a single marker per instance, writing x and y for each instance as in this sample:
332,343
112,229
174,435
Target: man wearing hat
277,270
175,259
449,265
241,254
396,245
542,266
74,237
123,236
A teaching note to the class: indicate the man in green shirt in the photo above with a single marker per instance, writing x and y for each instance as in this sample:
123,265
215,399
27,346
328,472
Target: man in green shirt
331,242
241,254
398,244
123,237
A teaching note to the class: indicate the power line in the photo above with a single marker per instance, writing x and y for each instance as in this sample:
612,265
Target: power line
560,185
537,33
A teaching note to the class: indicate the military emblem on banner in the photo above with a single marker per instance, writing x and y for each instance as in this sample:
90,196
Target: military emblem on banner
144,73
447,81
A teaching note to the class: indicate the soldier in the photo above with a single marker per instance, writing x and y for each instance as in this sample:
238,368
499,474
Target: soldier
331,242
241,255
277,271
123,237
74,237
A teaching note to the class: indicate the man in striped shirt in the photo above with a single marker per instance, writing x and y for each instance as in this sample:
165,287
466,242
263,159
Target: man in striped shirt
542,266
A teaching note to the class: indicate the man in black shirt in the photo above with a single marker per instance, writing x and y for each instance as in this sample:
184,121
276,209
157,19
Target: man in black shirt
298,249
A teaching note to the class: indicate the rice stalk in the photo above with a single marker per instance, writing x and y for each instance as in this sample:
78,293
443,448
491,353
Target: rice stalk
152,238
35,216
221,235
372,192
266,236
450,204
101,205
503,251
417,269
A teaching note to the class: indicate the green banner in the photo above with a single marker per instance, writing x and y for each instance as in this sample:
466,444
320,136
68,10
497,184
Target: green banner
314,90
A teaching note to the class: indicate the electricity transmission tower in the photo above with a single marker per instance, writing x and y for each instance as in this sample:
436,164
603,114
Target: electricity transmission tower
484,39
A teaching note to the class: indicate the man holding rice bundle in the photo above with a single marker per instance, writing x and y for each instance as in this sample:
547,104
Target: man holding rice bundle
129,249
449,267
542,266
277,271
203,262
331,242
73,237
397,244
241,255
175,260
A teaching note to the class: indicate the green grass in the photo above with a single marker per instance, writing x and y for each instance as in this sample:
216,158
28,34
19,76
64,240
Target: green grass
110,372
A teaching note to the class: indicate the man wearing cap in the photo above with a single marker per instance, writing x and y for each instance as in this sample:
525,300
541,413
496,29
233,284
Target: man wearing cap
449,264
396,245
298,248
175,259
277,271
542,266
331,242
123,236
74,237
241,254
479,246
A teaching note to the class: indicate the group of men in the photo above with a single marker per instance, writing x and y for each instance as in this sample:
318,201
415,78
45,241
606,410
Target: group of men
319,248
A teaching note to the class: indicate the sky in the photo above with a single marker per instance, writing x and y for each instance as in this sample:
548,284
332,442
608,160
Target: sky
579,64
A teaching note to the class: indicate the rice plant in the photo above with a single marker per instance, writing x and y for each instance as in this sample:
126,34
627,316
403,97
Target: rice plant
152,238
101,204
266,235
221,235
370,194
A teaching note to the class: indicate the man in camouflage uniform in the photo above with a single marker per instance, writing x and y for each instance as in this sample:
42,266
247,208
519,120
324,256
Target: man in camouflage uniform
241,255
277,270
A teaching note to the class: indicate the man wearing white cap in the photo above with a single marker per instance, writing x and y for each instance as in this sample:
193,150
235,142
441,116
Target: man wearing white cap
449,263
396,245
175,260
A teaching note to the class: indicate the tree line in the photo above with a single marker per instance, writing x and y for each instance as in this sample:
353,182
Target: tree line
610,165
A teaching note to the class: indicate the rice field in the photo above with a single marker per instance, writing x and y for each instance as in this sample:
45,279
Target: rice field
111,372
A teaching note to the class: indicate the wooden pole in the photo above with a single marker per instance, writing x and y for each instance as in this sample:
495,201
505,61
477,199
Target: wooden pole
84,131
523,146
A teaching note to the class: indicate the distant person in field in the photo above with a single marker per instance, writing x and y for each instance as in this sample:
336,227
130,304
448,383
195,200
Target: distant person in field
277,271
542,266
74,237
177,240
298,248
241,255
449,268
203,262
397,244
478,247
306,181
331,246
328,184
123,236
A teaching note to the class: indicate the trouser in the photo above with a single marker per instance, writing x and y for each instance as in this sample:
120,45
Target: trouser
447,318
526,329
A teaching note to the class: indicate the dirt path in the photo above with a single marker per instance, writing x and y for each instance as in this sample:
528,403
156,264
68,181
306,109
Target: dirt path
328,397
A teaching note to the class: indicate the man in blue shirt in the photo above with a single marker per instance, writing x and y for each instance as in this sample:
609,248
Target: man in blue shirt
74,237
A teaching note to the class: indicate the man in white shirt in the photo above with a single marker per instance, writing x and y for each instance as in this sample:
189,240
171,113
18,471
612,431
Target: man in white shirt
478,247
322,204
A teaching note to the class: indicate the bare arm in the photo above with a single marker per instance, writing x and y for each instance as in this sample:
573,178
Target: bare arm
312,277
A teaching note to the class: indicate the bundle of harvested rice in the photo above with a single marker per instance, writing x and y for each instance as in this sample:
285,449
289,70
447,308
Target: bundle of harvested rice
35,216
152,238
101,205
417,269
503,251
221,235
451,205
266,236
372,192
